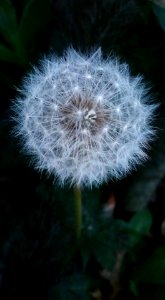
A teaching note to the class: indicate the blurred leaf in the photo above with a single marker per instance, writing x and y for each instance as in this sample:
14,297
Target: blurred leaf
153,270
139,226
6,54
141,222
11,56
160,14
101,236
85,253
9,30
105,254
35,15
73,288
8,22
133,288
145,182
110,240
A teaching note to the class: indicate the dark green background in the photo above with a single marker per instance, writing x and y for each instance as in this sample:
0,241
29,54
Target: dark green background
39,256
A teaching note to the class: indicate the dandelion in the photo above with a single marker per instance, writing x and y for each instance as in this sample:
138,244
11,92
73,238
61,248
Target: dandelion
84,119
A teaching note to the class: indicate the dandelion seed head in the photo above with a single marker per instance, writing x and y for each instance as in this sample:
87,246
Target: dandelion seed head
84,119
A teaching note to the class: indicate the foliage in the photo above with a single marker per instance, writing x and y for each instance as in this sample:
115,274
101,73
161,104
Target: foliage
121,251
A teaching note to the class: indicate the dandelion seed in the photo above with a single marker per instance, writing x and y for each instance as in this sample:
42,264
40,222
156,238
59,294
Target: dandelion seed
118,110
76,88
88,76
99,98
80,130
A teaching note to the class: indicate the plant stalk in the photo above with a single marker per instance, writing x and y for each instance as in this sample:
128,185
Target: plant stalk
78,211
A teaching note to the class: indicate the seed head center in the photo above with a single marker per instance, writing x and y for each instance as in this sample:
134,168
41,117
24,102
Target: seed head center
83,114
90,116
86,117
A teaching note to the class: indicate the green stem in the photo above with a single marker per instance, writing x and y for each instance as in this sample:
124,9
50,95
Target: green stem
78,211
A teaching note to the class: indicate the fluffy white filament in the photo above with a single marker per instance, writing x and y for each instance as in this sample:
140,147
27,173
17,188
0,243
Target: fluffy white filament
84,119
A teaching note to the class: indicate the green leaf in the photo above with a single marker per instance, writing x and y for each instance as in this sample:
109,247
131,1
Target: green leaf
160,14
85,253
6,54
141,222
8,22
153,270
144,185
139,226
105,255
111,239
133,287
77,286
35,16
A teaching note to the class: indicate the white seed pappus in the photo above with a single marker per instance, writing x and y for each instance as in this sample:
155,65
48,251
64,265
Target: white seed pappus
84,119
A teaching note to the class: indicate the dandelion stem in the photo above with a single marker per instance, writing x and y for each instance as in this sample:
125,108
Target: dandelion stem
78,211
